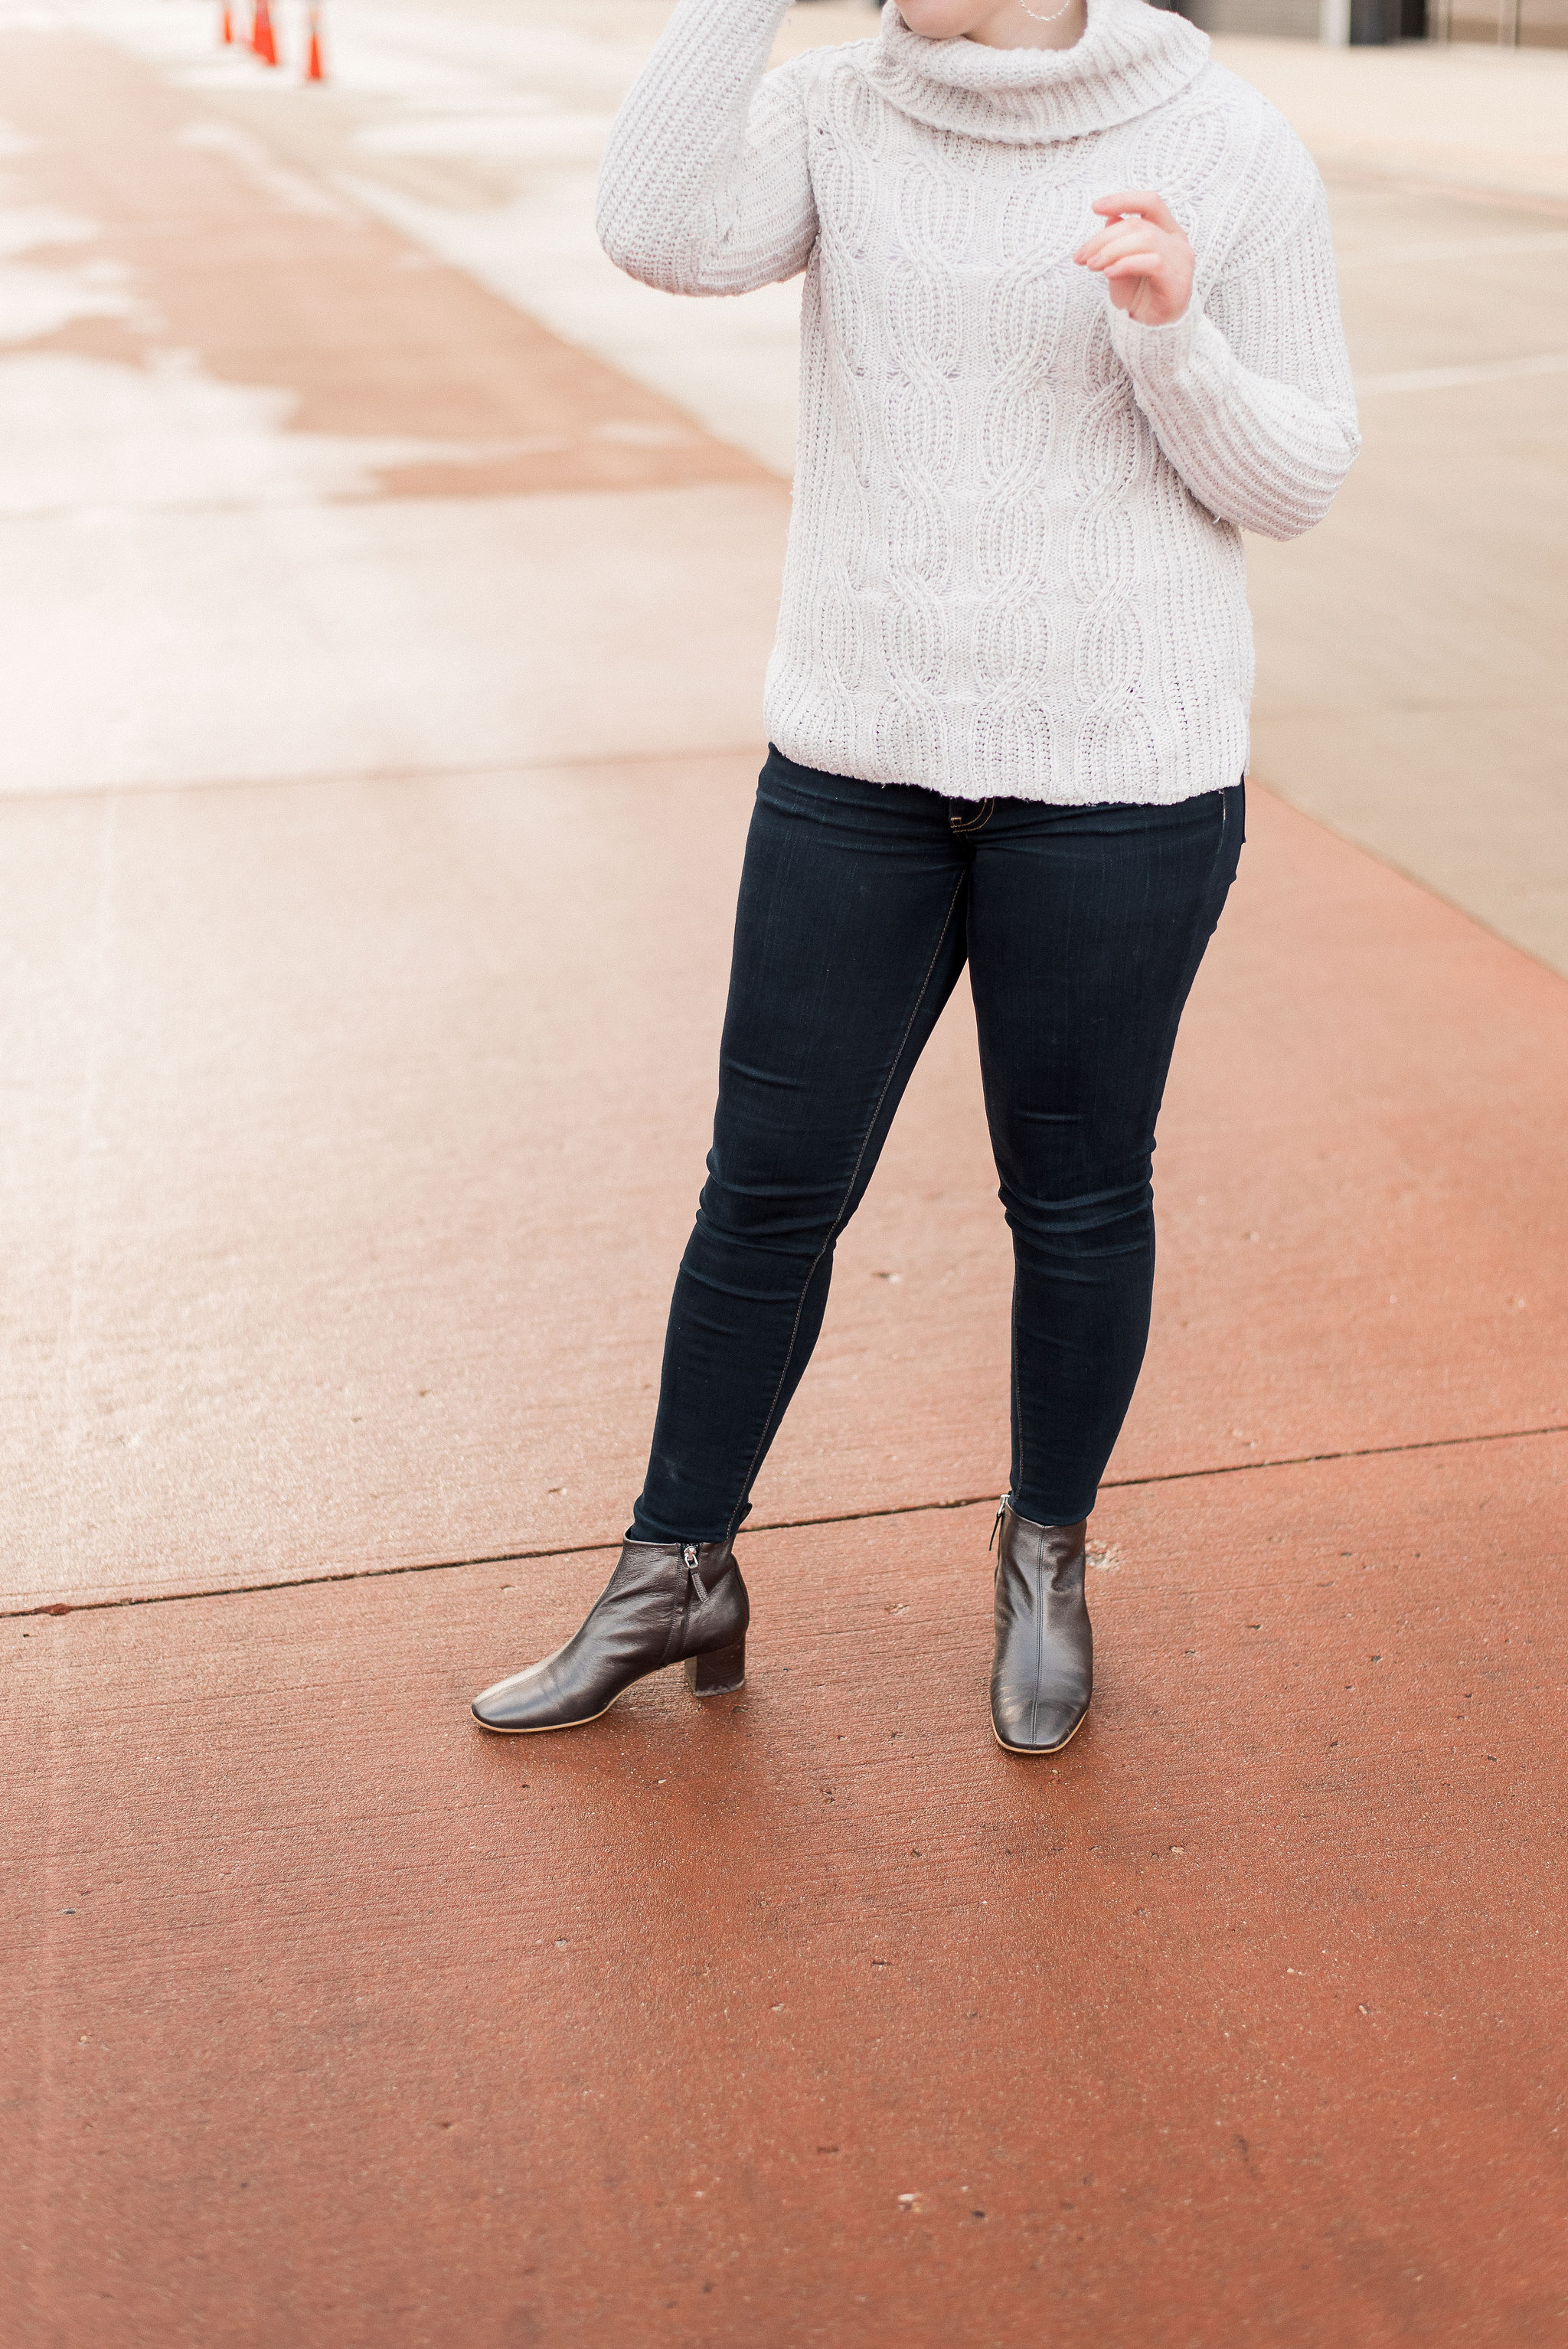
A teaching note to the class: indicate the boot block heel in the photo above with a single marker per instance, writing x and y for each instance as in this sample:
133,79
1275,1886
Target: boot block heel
719,1674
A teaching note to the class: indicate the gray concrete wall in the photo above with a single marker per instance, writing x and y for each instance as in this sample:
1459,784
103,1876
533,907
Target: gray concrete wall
1523,23
1295,20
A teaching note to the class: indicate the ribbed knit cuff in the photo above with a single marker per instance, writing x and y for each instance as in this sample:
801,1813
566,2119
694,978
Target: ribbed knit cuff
1157,356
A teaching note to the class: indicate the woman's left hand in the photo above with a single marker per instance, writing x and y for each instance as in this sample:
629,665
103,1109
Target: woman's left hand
1146,261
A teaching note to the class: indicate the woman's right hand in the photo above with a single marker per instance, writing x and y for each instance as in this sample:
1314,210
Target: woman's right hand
1145,259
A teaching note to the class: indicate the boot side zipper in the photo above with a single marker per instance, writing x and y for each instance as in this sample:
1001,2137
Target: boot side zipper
689,1559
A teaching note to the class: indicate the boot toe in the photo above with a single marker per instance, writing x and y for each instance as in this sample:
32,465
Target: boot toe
503,1707
1035,1725
531,1702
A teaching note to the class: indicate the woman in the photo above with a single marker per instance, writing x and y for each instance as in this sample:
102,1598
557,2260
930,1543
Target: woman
1070,326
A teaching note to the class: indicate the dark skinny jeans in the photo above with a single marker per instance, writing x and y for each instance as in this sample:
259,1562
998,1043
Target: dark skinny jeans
860,903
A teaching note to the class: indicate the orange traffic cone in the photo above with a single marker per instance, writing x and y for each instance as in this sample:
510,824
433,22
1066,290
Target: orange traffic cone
226,29
261,39
313,70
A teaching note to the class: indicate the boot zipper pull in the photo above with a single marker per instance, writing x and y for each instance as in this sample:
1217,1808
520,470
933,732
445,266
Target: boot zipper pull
1001,1510
689,1555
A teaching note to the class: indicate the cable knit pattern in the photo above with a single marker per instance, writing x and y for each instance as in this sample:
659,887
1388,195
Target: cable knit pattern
1015,566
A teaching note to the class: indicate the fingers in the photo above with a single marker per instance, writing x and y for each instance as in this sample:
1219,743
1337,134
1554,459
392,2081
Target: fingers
1143,255
1114,243
1144,202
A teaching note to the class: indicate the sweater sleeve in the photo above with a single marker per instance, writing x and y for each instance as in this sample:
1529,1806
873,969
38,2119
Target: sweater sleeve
705,187
1248,391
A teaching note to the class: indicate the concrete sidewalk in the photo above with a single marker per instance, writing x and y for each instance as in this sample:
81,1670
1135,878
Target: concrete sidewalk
384,665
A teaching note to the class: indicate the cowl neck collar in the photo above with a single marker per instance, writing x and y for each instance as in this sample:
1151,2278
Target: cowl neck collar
1131,58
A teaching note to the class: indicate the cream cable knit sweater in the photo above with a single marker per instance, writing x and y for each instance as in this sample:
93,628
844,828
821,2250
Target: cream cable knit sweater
1015,565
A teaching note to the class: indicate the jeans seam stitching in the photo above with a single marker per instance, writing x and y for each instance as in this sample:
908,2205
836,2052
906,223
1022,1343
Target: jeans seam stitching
1020,1482
849,1187
1224,798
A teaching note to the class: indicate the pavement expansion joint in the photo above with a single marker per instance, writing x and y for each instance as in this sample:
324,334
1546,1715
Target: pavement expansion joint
780,1525
1427,187
438,771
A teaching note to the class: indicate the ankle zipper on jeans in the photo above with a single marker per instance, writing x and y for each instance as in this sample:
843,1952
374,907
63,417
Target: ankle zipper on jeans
689,1556
1001,1512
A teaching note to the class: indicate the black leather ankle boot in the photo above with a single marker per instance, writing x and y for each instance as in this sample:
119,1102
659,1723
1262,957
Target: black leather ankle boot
1043,1667
666,1603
